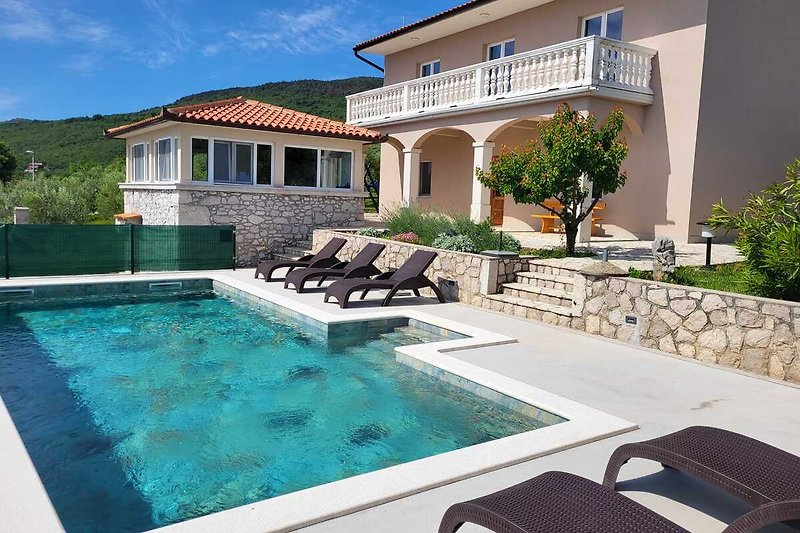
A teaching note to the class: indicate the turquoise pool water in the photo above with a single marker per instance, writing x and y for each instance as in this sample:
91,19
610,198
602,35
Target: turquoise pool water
141,411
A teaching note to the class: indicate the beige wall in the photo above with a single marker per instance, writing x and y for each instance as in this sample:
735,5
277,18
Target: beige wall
183,133
748,126
660,166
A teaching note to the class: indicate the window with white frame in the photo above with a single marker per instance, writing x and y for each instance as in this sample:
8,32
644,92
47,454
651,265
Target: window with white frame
264,164
139,162
502,49
165,160
312,167
430,68
607,24
200,160
231,162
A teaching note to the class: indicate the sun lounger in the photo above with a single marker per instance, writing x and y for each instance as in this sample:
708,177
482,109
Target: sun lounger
360,267
410,276
322,259
557,502
744,467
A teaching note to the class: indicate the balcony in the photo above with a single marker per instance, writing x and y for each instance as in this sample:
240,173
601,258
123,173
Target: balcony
590,65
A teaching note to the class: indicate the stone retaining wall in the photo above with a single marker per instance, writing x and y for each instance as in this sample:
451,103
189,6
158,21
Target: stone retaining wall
462,277
265,221
757,335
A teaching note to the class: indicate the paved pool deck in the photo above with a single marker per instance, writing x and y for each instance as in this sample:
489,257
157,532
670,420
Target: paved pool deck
658,392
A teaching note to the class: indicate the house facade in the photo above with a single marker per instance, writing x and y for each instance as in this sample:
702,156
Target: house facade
706,87
274,173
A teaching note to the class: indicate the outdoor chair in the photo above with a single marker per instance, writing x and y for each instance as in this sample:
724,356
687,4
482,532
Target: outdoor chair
410,276
323,259
557,502
360,267
763,476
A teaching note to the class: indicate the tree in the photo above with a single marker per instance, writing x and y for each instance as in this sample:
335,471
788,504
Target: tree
571,147
8,162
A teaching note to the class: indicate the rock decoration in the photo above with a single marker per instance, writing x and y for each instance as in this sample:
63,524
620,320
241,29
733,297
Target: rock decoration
663,257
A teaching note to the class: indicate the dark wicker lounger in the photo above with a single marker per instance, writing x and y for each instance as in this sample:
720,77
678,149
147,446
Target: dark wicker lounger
747,468
323,259
410,276
360,267
557,502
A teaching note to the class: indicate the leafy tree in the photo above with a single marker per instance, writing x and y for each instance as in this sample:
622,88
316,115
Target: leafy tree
768,227
571,147
8,162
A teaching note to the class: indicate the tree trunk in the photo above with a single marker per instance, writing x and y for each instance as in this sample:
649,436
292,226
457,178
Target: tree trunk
572,235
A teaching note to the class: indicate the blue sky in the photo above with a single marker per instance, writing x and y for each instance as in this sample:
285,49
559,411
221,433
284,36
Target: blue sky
62,58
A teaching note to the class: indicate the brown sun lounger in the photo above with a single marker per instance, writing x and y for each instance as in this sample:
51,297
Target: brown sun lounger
325,258
360,267
557,502
744,467
410,276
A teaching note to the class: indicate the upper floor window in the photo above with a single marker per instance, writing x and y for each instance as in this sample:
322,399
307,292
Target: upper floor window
165,160
501,49
430,68
139,162
608,24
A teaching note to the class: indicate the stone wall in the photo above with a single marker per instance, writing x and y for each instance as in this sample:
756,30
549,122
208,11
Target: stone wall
462,277
756,335
265,221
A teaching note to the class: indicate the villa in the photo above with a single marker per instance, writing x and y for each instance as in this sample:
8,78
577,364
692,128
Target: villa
703,84
385,382
273,172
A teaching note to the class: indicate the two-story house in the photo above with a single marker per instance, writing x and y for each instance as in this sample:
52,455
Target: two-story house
707,88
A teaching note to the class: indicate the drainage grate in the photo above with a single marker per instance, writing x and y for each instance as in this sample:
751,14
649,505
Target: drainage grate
166,286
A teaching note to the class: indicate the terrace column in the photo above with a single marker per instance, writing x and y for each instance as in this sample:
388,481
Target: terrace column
411,160
481,208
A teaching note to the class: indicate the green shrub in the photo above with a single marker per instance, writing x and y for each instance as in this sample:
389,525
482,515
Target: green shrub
768,227
456,243
430,226
372,232
427,226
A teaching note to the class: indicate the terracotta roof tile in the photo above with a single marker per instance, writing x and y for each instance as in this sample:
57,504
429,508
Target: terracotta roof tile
252,114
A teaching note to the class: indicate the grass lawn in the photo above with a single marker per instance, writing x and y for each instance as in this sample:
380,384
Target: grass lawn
728,278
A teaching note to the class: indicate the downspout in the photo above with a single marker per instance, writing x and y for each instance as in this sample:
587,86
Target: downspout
367,61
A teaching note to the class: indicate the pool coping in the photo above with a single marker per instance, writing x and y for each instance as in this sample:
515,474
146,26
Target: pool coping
32,509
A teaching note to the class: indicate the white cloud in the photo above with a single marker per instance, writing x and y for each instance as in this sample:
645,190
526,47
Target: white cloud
312,30
22,21
83,63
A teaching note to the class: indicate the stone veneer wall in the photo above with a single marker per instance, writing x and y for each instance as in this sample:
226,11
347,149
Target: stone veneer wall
462,277
756,335
265,221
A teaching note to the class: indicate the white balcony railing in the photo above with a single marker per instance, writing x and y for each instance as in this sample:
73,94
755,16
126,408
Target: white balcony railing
590,62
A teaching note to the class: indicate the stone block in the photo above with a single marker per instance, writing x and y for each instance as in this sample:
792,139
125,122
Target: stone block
670,318
776,369
780,311
712,302
735,338
633,288
757,338
658,296
658,328
714,340
748,318
666,344
592,324
754,360
683,307
696,321
683,335
687,350
719,317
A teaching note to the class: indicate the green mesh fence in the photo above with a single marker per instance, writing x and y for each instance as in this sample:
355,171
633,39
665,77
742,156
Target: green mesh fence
51,250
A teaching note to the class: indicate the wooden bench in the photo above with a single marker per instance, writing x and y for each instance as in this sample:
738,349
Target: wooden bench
548,221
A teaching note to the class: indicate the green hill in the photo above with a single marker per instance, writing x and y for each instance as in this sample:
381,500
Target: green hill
59,143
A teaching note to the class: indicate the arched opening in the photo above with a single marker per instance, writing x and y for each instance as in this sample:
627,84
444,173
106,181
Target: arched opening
445,171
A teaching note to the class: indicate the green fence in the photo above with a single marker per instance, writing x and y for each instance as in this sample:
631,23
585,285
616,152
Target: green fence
53,250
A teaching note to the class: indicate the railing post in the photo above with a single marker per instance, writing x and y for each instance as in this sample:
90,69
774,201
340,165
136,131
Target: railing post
406,105
133,261
590,61
349,109
8,252
478,83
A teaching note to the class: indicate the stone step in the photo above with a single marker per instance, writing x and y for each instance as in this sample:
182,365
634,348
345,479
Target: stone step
285,257
539,294
563,283
553,269
525,308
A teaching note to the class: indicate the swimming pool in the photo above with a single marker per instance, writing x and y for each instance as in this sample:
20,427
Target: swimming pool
141,410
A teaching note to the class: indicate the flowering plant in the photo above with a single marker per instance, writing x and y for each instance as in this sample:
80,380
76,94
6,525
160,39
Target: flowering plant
409,237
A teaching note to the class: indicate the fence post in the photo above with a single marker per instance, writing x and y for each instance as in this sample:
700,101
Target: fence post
133,261
8,252
234,248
